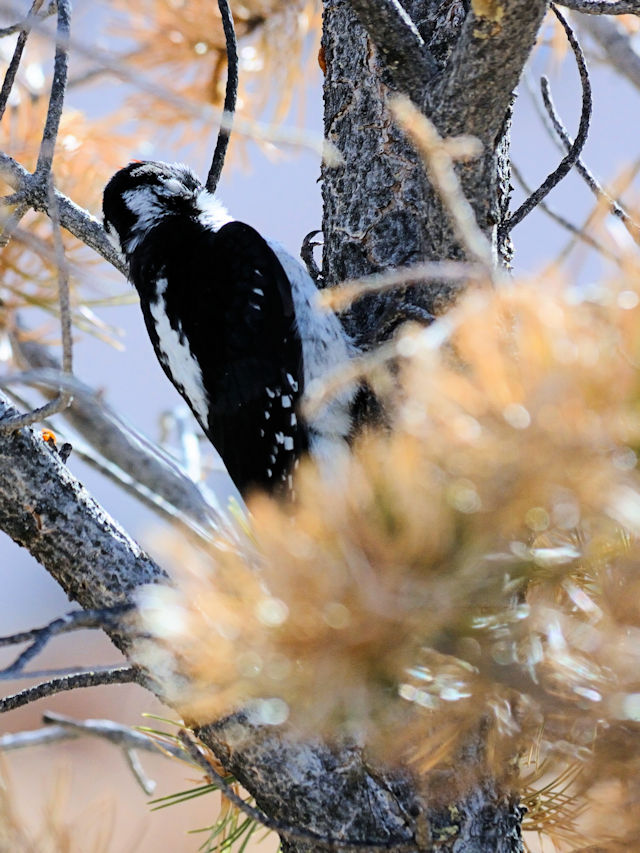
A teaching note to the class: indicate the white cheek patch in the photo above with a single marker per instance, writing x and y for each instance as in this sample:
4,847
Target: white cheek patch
176,355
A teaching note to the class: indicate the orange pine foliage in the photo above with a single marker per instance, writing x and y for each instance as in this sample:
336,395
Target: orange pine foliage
476,566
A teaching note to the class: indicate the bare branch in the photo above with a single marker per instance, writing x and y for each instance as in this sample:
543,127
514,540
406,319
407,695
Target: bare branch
400,44
576,230
614,207
63,281
27,23
570,159
230,98
36,737
77,221
63,398
603,7
60,728
40,637
12,70
95,678
56,98
616,42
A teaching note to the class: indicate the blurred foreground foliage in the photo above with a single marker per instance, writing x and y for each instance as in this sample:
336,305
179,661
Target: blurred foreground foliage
474,568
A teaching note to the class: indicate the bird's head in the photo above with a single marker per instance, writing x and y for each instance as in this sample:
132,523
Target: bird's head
140,195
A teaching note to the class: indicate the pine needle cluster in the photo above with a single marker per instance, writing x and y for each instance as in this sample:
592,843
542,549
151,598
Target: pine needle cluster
181,44
474,566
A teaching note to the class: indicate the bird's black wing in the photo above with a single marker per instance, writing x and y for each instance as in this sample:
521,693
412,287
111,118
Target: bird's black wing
229,308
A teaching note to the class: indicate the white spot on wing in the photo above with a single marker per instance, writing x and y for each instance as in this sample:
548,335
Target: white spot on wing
288,443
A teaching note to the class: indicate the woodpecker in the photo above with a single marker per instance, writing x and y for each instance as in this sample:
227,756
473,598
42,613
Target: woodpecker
233,321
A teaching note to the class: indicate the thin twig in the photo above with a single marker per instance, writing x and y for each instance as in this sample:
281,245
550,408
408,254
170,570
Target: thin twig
63,282
12,70
61,727
595,214
48,674
603,7
9,222
56,97
135,765
21,207
35,737
617,44
129,456
569,160
576,230
69,729
11,424
283,830
95,678
27,23
614,207
230,98
62,400
40,637
439,155
72,217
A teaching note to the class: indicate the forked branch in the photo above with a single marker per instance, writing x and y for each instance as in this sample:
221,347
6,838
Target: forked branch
571,158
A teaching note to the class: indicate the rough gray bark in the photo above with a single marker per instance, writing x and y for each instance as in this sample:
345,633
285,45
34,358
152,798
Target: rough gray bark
380,212
379,208
46,510
339,794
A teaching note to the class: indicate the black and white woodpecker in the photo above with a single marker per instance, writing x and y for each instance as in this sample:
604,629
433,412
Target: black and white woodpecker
233,321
